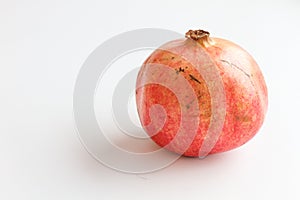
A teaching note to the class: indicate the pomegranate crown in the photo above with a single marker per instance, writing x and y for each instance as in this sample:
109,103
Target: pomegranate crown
196,34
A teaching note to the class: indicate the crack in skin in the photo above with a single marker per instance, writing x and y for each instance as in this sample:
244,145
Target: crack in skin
235,66
243,71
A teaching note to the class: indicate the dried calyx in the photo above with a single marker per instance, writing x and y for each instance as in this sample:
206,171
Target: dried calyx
201,36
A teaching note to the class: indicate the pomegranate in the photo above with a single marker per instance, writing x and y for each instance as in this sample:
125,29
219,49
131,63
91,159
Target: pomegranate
201,95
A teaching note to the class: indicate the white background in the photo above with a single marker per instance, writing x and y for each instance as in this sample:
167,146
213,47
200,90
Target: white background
42,47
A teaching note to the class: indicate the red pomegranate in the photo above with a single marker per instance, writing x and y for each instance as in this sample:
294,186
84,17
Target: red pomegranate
201,95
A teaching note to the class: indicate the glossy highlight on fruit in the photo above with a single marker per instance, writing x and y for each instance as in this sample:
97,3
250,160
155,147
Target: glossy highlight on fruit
229,99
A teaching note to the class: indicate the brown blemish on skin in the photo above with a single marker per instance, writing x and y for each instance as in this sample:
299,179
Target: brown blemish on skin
243,118
189,104
179,70
194,79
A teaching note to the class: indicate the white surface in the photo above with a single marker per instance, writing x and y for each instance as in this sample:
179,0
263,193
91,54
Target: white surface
44,43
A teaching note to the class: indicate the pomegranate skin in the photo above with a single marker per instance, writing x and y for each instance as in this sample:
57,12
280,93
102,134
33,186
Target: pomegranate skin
244,87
